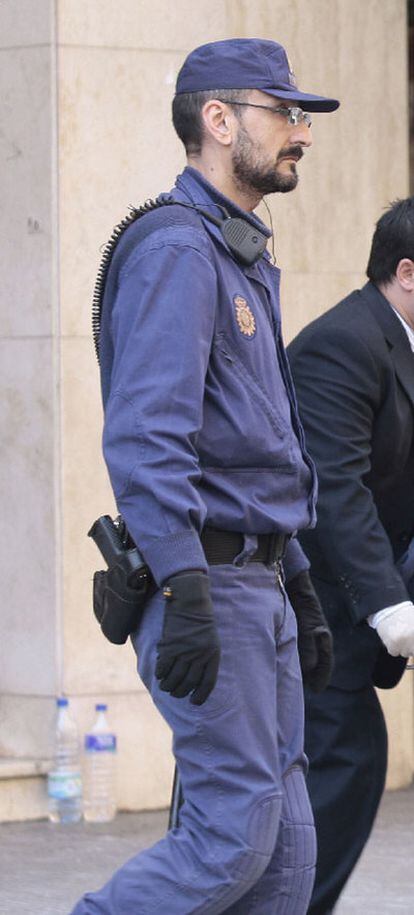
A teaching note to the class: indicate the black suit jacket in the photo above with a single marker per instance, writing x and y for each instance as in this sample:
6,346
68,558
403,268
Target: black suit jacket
353,370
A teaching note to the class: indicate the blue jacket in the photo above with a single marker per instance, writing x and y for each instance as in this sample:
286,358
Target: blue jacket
201,423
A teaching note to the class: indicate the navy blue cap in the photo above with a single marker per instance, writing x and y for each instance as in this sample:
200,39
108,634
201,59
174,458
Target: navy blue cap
247,63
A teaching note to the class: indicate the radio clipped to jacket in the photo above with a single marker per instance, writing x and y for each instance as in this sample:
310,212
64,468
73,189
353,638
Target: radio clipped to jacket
122,590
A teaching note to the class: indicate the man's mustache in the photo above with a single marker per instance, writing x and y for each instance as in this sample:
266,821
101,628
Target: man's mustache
295,152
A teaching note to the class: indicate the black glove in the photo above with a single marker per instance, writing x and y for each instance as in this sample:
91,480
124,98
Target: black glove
315,644
189,648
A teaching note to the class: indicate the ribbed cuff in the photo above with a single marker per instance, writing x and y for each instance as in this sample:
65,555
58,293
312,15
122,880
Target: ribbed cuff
174,553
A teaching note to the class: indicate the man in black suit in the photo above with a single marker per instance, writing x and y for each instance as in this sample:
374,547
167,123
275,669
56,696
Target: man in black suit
354,375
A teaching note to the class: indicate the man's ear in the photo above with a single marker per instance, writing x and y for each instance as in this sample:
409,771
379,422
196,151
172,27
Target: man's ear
405,274
218,122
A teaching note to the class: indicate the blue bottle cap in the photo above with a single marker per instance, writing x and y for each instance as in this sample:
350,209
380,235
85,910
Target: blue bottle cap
101,707
62,702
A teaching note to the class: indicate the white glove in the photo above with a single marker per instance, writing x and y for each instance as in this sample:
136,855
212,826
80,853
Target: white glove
396,630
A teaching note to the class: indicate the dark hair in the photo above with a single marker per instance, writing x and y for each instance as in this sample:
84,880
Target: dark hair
186,114
393,240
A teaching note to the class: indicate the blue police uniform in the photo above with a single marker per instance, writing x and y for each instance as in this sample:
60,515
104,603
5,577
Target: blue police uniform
202,430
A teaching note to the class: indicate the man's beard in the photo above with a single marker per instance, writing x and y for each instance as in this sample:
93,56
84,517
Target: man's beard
250,176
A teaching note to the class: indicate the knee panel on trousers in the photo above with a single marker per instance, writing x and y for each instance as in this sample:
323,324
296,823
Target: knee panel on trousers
252,854
286,884
296,845
298,822
261,837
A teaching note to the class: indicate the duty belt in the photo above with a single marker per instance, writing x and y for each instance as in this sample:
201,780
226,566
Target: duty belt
222,547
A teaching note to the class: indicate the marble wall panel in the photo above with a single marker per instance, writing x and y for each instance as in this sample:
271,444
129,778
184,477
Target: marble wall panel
398,706
26,23
27,725
22,799
352,171
26,220
305,296
28,556
117,147
153,24
90,662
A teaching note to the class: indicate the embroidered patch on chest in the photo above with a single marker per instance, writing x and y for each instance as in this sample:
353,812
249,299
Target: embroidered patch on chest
244,316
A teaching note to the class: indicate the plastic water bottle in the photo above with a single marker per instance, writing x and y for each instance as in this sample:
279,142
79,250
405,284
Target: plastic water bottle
99,803
64,781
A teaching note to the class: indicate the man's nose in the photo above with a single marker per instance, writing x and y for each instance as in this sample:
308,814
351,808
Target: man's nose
301,134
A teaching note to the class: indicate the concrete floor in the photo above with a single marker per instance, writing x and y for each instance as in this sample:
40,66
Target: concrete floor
45,868
383,880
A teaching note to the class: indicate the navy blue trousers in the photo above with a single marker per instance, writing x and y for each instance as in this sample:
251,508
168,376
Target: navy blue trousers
346,741
245,844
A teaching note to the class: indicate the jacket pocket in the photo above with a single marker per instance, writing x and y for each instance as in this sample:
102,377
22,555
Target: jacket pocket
242,426
252,383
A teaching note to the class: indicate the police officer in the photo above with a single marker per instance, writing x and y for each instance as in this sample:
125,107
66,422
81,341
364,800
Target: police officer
207,461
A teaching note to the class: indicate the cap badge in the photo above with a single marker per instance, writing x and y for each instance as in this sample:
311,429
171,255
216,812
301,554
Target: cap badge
292,77
245,317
